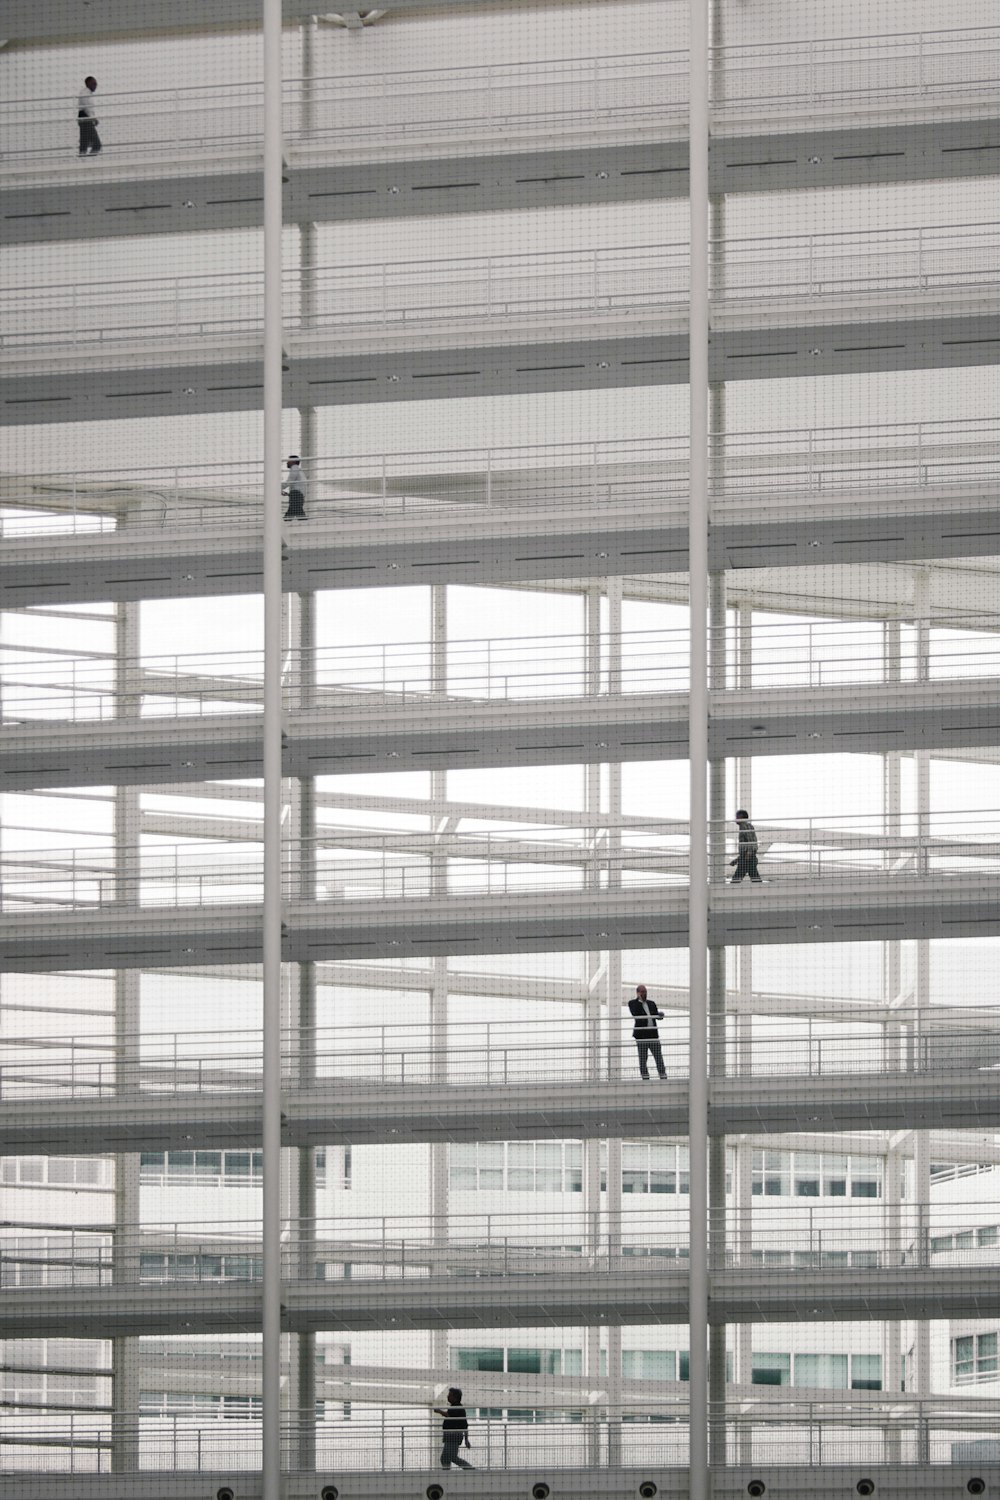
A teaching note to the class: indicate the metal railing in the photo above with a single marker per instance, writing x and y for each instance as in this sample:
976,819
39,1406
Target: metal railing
497,1055
395,298
407,866
365,298
43,685
802,1240
222,122
223,1438
554,98
638,473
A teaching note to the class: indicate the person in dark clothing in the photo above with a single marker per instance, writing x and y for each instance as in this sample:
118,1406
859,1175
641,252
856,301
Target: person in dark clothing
296,487
454,1429
86,118
646,1032
746,852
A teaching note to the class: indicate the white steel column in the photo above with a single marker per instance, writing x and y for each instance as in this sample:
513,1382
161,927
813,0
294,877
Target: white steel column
272,909
894,1167
922,1139
698,750
126,1373
439,1006
613,998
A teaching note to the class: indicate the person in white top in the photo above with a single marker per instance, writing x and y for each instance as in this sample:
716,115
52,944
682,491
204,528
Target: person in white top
86,118
296,487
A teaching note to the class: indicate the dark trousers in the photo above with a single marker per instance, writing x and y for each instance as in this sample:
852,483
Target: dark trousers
89,139
650,1049
449,1452
746,864
296,504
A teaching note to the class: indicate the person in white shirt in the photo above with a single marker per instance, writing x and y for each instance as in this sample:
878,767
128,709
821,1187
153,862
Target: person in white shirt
86,118
296,487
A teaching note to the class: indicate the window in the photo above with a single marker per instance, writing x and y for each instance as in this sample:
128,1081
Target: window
808,1166
828,1371
190,1403
649,1364
517,1167
521,1361
154,1266
651,1167
771,1369
985,1237
201,1168
866,1372
771,1174
58,1171
974,1357
811,1174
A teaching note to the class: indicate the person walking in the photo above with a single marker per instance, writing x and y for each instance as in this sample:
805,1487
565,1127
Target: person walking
296,487
86,119
646,1033
454,1429
746,852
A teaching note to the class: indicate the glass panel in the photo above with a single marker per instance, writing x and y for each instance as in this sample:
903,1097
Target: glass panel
480,1359
866,1372
827,1370
649,1364
771,1369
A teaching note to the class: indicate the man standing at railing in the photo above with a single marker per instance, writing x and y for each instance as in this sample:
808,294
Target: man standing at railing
746,852
454,1429
296,487
646,1033
86,118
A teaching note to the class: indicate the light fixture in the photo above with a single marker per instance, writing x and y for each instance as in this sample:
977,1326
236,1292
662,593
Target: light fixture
815,353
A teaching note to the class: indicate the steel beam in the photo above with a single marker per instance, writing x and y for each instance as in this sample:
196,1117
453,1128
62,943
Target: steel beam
397,733
811,910
373,1114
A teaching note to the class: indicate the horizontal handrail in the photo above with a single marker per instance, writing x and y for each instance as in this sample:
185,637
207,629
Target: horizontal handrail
563,93
598,281
915,456
493,1054
41,685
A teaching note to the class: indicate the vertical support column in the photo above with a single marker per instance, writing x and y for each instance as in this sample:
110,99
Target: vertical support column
891,994
698,751
591,1147
126,1376
743,1244
305,1363
272,730
613,999
439,1183
717,1229
303,643
892,1184
922,1151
